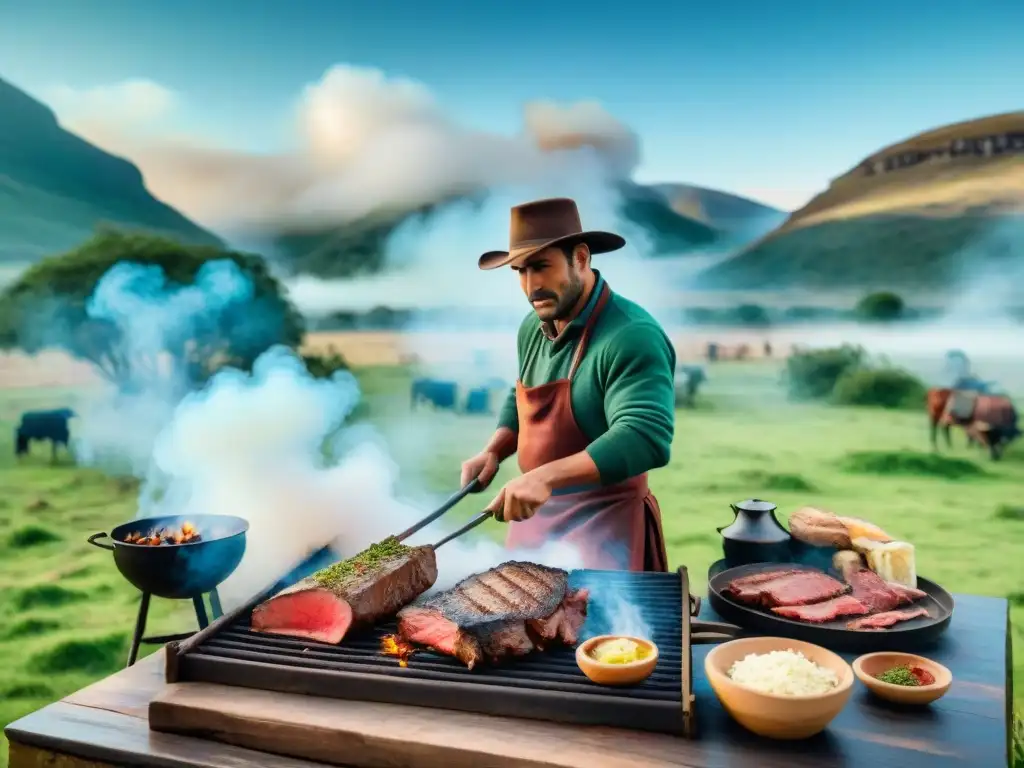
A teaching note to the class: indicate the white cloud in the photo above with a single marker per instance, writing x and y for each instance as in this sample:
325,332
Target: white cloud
137,102
364,142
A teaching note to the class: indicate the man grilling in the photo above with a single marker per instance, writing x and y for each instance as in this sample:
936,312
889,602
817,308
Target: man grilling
594,406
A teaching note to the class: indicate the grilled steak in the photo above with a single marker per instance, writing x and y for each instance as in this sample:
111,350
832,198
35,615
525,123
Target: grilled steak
509,610
844,605
785,587
887,619
354,592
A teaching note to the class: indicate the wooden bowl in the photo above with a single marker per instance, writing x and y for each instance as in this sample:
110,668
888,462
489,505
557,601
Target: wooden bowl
770,715
615,674
869,665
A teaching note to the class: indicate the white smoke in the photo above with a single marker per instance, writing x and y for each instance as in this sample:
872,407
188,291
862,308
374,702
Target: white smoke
363,142
272,447
253,446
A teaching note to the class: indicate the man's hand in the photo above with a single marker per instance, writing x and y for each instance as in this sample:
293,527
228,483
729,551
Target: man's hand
482,466
520,498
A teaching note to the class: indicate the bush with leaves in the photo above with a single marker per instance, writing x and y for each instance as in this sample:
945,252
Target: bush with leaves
812,374
882,306
48,307
881,387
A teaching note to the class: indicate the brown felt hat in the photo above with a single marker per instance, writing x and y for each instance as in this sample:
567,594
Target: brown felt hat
543,224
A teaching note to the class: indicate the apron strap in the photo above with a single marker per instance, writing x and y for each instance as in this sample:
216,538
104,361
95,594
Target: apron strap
581,347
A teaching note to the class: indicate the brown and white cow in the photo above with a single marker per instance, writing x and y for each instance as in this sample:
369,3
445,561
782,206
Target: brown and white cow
990,420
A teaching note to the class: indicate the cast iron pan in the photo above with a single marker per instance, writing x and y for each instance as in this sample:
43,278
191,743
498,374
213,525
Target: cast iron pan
904,636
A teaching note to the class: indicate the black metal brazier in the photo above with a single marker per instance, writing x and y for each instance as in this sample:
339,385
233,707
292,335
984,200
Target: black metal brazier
178,571
755,536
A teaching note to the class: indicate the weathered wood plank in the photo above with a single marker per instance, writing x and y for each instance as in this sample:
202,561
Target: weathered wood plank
110,737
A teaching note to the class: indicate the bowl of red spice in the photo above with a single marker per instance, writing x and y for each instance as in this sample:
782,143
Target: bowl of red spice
903,678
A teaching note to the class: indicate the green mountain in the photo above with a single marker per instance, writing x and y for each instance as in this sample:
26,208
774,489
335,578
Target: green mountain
55,188
357,248
929,211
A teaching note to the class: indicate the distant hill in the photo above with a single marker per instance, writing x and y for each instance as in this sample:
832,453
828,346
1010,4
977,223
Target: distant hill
646,211
729,213
917,213
55,187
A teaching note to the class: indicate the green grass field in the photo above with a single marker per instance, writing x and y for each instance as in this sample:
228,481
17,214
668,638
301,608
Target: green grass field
66,614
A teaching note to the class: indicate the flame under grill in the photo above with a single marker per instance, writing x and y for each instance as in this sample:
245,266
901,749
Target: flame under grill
547,685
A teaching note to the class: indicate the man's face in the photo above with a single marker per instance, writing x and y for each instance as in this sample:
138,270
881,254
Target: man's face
552,282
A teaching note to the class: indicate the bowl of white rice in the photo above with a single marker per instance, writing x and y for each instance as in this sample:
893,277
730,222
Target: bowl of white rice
779,688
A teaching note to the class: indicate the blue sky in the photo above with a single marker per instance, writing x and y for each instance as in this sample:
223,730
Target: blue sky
767,99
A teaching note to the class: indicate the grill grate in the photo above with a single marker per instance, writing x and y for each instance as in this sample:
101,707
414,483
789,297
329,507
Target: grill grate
546,685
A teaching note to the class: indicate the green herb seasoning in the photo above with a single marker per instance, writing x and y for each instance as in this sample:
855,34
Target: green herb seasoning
365,561
899,675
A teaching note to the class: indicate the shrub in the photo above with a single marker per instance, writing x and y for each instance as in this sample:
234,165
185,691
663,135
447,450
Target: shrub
752,314
881,387
326,365
880,307
812,374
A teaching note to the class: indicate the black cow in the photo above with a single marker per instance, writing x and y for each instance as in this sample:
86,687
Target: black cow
43,425
441,393
478,400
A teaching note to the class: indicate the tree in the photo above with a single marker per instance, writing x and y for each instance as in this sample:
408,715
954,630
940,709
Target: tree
882,306
55,303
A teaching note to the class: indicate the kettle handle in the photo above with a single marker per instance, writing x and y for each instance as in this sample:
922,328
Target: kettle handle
735,514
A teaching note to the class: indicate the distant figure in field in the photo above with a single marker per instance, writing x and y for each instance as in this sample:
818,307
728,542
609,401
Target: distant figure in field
712,353
688,381
767,349
43,425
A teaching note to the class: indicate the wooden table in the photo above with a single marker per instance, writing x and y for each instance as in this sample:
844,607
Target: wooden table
107,724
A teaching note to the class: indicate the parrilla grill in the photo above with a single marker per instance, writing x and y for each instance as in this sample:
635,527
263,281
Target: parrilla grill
547,685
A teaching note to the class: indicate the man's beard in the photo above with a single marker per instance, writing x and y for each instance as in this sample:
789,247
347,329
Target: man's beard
564,302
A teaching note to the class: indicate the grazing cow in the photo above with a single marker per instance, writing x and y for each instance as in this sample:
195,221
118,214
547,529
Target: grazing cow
478,400
442,394
688,381
43,425
990,420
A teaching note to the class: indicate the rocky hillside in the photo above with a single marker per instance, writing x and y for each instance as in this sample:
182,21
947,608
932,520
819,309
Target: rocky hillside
922,212
55,188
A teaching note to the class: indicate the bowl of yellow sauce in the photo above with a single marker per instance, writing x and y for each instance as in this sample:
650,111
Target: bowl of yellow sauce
617,659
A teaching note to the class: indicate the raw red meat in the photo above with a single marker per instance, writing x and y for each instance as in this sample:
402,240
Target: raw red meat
311,610
886,619
816,613
877,594
785,587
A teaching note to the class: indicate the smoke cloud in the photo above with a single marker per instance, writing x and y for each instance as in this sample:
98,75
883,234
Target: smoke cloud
363,142
275,446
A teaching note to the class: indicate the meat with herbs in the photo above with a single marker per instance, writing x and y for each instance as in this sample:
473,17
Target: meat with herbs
355,592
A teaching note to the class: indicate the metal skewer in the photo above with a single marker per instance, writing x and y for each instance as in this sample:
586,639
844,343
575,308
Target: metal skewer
464,529
454,499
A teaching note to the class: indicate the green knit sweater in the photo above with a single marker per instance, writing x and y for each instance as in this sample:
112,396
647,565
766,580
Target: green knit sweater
623,392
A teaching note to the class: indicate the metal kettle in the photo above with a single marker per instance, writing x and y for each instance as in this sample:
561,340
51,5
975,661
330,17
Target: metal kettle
755,535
